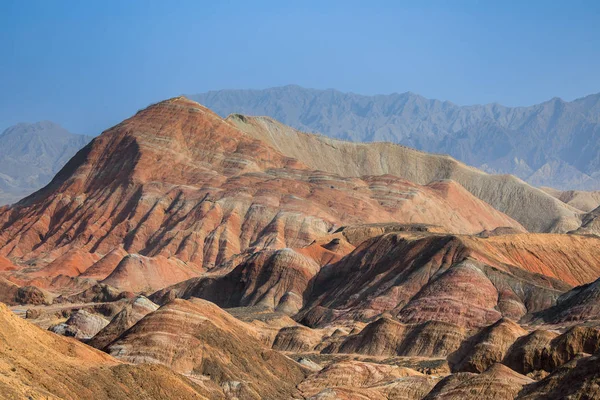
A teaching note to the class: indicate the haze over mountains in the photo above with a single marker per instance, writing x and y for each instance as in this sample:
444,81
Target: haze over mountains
555,143
31,154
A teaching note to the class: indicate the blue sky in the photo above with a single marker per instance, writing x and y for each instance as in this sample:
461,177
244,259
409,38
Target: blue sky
89,64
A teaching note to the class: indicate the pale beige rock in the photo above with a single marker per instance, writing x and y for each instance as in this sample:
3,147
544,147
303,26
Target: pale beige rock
533,208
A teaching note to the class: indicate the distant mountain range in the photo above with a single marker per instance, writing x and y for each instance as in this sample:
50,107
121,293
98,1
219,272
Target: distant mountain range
30,156
555,143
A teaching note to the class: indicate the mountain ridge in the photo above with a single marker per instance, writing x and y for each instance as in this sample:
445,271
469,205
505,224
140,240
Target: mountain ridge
219,173
31,154
354,159
566,128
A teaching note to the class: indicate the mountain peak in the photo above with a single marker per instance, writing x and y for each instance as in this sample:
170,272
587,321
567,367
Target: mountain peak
180,102
47,128
31,154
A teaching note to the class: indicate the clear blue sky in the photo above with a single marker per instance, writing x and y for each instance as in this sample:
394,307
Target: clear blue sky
88,64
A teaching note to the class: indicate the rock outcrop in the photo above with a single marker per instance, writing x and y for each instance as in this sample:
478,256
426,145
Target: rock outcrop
353,374
298,339
72,370
197,338
273,278
98,293
497,382
581,304
487,347
578,379
80,325
386,337
546,351
465,279
137,309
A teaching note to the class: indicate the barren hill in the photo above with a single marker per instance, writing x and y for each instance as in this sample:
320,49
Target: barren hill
534,209
198,338
289,265
176,180
37,364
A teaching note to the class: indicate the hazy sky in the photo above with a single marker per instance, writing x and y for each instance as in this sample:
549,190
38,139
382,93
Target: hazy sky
88,64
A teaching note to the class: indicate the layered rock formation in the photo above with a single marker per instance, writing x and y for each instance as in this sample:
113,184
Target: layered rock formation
38,364
125,319
350,375
197,338
316,275
81,325
386,337
497,382
533,208
467,280
273,278
546,351
137,273
578,379
487,347
177,181
582,304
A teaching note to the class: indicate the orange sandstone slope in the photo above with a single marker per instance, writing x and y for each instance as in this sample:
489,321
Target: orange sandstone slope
573,259
459,279
177,180
37,364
